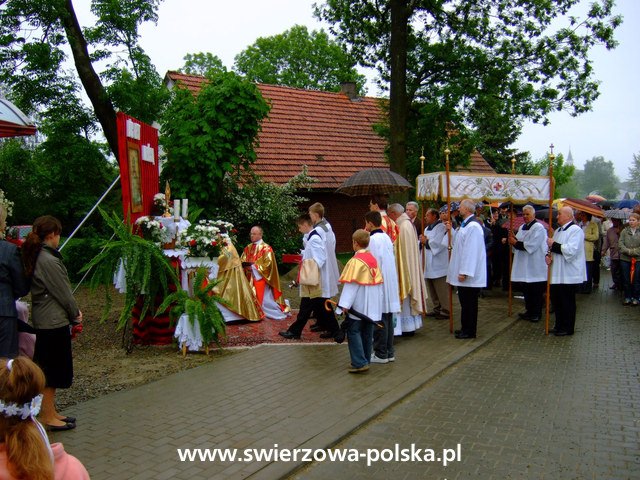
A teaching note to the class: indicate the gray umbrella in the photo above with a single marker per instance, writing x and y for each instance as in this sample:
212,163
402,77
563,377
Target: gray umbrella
373,181
617,213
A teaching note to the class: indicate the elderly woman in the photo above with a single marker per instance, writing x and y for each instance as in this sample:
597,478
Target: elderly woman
629,247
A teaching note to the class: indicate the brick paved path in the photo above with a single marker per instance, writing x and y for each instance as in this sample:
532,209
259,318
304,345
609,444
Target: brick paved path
524,406
291,395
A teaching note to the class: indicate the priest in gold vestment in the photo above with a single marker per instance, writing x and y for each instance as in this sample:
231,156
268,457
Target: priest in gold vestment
234,287
413,290
261,269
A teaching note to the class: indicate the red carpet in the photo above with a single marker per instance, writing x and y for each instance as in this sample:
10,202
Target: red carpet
242,334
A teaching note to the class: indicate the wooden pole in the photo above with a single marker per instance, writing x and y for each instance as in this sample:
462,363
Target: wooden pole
446,154
510,311
423,253
550,234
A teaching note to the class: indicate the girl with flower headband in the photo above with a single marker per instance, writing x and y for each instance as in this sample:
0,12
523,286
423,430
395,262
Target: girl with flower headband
25,452
54,311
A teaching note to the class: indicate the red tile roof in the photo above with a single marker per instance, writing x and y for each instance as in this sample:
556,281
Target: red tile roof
477,164
328,132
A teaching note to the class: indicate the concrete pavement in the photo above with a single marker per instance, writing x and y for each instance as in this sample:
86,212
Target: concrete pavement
512,397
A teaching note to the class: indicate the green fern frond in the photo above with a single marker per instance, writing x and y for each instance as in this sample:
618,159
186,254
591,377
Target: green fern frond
148,273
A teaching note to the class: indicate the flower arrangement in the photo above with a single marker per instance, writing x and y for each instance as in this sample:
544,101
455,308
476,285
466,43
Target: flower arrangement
6,203
151,229
205,238
160,204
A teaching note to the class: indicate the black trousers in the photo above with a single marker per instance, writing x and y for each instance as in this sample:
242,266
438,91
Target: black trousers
468,297
307,305
563,298
533,297
325,318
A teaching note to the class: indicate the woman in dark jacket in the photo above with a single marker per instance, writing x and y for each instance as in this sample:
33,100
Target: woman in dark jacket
54,311
13,285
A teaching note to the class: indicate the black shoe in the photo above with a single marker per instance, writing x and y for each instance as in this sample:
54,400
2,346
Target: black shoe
60,428
524,316
464,336
68,419
534,319
328,335
316,328
561,333
457,332
442,316
288,334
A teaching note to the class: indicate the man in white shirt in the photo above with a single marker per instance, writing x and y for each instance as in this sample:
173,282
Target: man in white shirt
468,268
436,264
568,270
529,267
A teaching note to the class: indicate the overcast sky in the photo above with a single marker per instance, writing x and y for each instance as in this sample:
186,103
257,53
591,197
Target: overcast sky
611,130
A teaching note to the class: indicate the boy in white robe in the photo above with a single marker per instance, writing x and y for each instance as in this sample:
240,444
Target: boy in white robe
362,292
381,247
310,298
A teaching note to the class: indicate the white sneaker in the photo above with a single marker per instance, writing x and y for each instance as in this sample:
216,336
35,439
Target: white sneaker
375,359
392,359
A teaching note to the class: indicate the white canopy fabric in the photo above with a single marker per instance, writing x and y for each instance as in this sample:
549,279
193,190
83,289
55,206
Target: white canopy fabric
13,122
519,189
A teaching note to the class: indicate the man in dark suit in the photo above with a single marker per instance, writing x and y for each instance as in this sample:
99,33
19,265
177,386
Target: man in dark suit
13,285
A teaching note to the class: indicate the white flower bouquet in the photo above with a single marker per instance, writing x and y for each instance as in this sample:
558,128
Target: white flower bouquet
205,238
150,229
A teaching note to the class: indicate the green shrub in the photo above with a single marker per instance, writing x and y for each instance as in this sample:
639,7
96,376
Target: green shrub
77,253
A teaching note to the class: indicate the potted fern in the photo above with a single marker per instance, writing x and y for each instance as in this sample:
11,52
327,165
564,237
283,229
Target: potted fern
200,309
147,271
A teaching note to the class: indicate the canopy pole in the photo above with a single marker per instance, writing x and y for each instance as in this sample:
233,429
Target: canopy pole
446,156
422,159
113,184
510,252
550,234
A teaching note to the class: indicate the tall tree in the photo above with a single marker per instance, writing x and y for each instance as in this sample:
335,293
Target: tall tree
563,176
459,54
202,63
211,135
299,58
600,177
634,173
34,35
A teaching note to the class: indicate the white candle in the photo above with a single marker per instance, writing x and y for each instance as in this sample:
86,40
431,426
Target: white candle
176,209
185,211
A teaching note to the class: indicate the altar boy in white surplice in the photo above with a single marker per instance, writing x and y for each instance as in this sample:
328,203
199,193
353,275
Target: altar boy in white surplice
361,300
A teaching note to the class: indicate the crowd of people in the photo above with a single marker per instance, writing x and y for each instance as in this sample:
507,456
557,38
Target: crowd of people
402,270
404,267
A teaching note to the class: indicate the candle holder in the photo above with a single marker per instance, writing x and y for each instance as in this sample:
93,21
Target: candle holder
167,199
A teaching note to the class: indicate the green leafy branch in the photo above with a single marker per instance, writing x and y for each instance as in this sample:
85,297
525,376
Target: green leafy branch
201,306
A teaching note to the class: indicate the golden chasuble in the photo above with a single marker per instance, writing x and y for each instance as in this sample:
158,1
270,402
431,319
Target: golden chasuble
234,286
410,274
389,227
264,260
362,269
